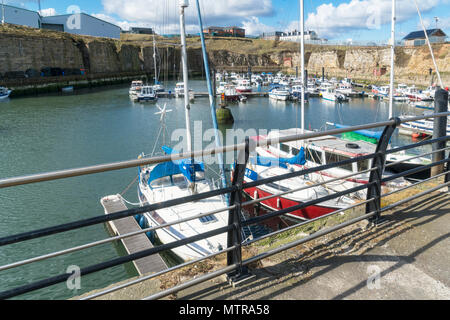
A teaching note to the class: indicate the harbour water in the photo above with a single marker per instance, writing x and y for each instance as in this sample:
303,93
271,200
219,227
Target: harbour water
47,133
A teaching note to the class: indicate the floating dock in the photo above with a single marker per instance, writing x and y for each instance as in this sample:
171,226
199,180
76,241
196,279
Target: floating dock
140,242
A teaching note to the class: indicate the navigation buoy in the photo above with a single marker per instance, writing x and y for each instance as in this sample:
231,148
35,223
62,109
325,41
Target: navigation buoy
224,115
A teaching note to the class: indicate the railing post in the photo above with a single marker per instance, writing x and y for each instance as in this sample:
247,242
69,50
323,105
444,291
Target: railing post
447,169
374,190
234,218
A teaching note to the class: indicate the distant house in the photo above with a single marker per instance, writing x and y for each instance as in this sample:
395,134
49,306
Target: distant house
224,32
295,36
78,23
417,38
272,35
140,30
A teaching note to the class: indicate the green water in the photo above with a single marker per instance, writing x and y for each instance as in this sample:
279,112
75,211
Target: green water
47,133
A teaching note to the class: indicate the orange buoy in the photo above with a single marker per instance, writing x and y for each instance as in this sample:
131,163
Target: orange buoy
416,135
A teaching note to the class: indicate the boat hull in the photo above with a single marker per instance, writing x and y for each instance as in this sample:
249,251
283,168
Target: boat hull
402,167
278,203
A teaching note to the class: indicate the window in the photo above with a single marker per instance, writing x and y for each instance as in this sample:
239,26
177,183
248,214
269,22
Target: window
363,165
313,156
334,158
284,148
208,219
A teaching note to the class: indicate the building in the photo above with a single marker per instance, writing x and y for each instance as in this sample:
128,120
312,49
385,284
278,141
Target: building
21,16
417,38
224,32
78,23
296,36
81,24
272,35
140,30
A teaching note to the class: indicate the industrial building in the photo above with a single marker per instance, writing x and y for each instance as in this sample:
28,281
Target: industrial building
77,23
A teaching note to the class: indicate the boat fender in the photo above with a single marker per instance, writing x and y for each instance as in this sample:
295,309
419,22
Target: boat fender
352,146
143,222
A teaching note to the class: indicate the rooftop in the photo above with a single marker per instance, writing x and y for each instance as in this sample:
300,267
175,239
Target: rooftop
421,34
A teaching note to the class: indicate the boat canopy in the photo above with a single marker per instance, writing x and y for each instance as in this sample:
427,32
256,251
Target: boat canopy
280,162
165,169
188,167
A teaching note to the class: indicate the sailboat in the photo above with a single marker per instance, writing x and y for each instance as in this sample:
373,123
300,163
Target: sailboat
176,179
296,191
157,87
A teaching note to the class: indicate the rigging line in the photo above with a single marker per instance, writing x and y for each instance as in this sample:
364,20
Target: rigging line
429,45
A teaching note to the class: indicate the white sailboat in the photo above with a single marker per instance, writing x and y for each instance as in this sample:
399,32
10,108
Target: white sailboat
176,179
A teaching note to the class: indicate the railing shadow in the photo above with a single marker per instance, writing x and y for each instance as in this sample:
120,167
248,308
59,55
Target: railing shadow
333,253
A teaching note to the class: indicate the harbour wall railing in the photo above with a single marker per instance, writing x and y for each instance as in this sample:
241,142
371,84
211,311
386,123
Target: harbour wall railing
236,267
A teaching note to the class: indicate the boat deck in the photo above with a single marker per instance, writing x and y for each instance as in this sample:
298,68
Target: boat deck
137,243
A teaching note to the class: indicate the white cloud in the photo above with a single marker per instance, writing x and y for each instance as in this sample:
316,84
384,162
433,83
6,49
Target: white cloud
164,15
254,27
330,21
48,12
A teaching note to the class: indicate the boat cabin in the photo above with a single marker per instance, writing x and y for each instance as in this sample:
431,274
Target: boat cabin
328,150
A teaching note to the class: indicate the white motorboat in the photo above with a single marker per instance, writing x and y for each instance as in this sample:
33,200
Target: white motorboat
4,93
297,92
330,94
344,88
135,87
158,87
279,94
146,94
244,86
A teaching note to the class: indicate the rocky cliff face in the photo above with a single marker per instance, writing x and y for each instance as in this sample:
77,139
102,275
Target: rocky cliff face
23,48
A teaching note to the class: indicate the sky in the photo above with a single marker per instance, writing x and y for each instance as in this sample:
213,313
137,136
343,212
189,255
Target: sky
358,20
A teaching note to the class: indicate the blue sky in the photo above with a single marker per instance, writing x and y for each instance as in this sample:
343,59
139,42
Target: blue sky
359,20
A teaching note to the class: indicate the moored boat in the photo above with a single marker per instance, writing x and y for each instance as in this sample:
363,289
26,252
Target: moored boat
4,93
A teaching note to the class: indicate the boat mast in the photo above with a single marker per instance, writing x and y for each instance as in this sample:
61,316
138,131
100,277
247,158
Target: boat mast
391,91
302,53
429,45
212,97
3,12
184,4
154,59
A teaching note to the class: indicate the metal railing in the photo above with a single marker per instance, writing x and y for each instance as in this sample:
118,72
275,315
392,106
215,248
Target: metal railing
237,267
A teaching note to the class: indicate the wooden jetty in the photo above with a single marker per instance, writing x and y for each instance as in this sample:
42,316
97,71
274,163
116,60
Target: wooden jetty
140,242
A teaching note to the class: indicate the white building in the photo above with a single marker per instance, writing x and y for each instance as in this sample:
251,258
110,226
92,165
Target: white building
78,23
296,36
